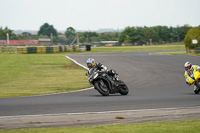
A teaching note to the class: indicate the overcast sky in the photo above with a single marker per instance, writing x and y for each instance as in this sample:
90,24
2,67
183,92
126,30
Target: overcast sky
97,14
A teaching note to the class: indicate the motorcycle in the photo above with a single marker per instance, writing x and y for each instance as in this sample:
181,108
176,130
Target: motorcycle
105,84
195,79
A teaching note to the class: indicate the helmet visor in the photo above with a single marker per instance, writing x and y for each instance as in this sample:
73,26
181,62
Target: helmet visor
188,68
89,65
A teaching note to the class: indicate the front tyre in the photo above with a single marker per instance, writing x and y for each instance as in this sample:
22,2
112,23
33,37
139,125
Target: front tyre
123,89
102,88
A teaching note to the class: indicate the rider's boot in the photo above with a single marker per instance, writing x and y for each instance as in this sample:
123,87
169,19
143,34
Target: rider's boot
196,90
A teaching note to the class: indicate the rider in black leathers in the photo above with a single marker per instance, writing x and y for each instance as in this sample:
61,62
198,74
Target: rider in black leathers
92,65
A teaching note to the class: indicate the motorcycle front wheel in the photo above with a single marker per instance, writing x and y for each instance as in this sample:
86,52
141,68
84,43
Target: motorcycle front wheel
102,88
123,89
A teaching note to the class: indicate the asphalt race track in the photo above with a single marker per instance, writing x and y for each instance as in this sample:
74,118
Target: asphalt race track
154,81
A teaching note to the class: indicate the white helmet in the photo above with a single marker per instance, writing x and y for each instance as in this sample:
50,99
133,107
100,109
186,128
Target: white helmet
90,62
187,66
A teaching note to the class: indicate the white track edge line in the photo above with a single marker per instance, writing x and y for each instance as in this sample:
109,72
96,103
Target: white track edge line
77,62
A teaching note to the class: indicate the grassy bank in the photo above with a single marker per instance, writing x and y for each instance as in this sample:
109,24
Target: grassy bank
176,53
163,127
138,48
36,74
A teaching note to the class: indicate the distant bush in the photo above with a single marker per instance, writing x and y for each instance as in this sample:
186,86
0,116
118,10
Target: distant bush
192,34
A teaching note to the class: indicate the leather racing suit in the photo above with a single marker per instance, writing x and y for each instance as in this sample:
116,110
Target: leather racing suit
103,68
189,74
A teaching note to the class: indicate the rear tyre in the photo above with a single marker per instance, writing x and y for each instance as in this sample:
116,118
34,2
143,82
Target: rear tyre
197,91
198,84
102,89
198,88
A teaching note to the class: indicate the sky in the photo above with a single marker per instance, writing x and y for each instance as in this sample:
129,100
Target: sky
97,14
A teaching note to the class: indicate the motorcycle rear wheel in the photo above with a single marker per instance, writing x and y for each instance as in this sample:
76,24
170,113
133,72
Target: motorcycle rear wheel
198,86
197,91
198,83
103,90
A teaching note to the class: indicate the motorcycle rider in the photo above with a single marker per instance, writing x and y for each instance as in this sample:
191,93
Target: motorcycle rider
189,68
92,65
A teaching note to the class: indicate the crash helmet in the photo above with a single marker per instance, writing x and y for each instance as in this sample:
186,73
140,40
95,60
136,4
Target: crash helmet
188,66
90,62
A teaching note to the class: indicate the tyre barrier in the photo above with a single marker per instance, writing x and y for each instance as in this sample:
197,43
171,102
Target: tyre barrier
40,49
7,50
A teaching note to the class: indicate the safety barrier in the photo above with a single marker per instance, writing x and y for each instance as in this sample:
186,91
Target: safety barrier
40,49
7,50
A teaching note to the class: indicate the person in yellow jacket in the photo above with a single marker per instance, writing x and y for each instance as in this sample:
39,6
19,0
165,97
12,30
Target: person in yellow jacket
189,69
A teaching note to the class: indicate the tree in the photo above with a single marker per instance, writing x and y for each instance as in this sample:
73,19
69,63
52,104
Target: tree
5,31
151,34
47,29
163,33
128,36
86,37
193,33
70,34
139,37
183,31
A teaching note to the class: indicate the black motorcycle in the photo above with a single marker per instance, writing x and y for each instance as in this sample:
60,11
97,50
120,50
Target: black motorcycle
105,83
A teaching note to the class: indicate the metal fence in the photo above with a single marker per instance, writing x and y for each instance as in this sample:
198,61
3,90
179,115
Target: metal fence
193,51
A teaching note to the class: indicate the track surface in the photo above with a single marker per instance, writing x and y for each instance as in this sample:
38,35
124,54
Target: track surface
155,81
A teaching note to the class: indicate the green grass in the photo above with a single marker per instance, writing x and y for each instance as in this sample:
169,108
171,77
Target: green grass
162,127
173,53
36,74
176,53
137,48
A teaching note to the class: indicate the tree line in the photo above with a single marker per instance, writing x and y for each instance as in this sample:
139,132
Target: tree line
154,35
129,36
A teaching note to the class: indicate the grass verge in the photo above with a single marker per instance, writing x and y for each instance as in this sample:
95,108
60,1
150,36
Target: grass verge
162,127
138,48
36,74
176,53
